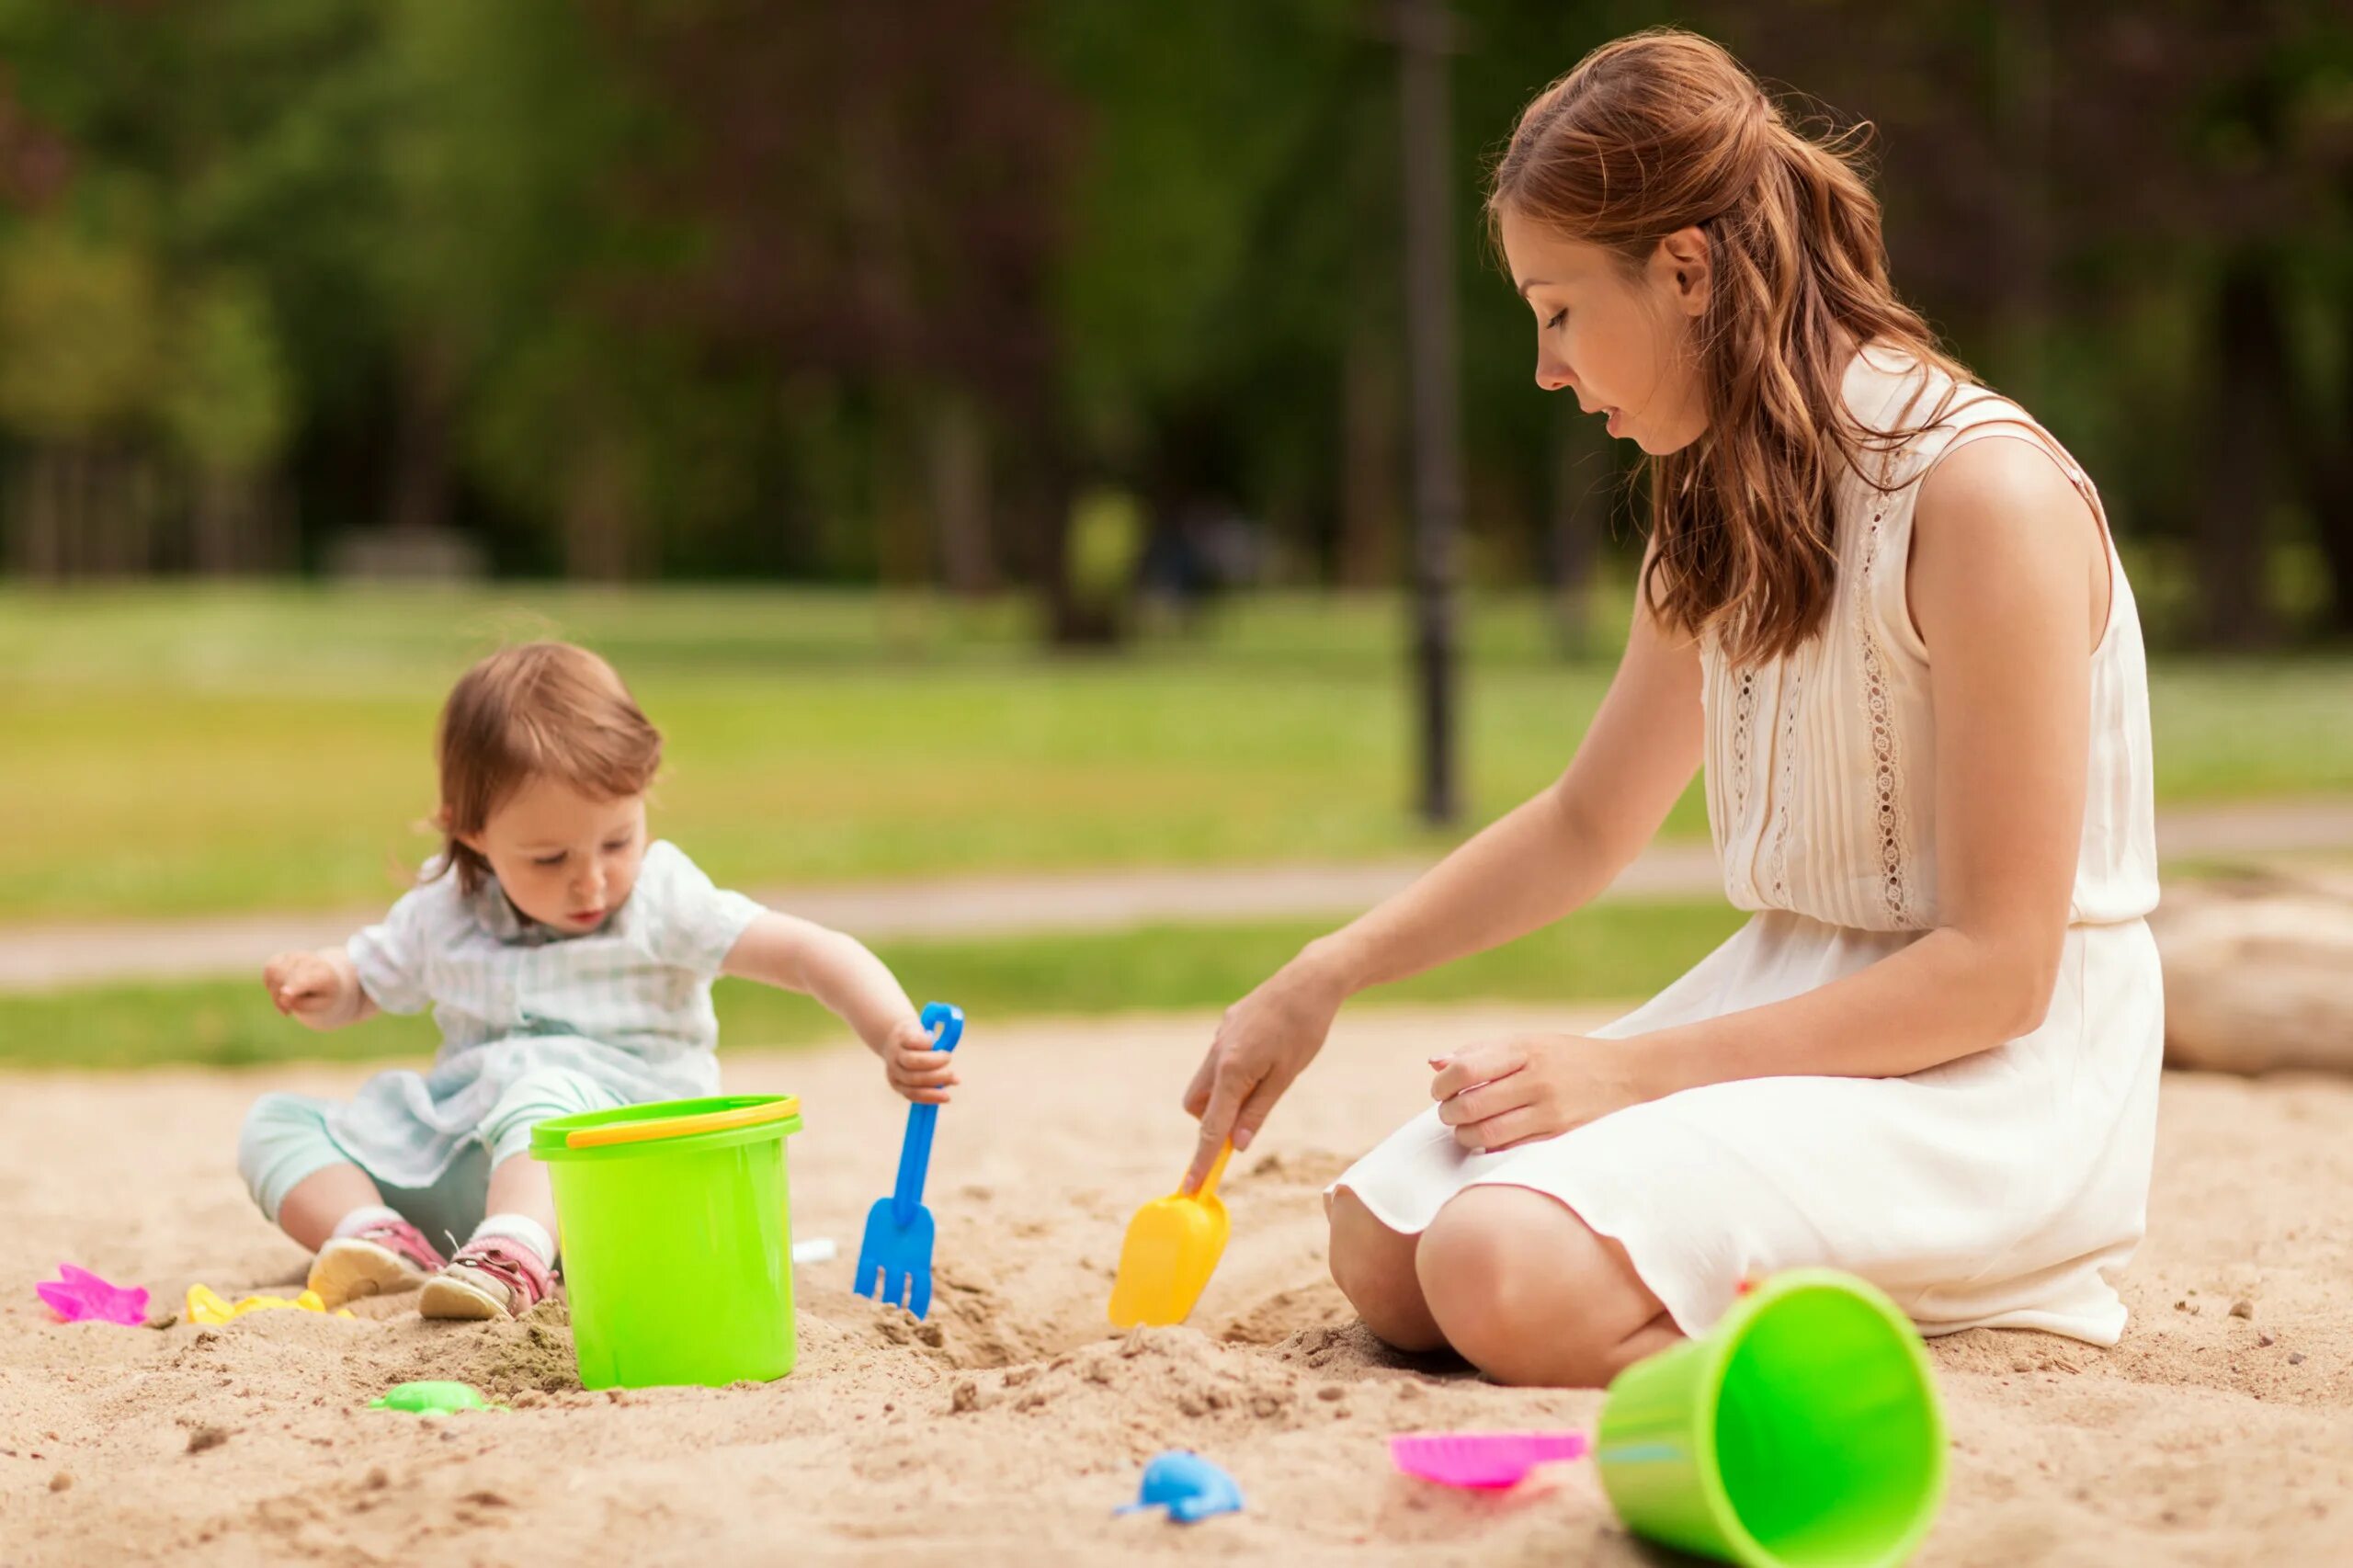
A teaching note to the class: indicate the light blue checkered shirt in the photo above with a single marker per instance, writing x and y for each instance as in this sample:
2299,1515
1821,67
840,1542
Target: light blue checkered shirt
628,1005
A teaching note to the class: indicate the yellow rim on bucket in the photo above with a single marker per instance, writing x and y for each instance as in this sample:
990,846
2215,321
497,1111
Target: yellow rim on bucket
683,1126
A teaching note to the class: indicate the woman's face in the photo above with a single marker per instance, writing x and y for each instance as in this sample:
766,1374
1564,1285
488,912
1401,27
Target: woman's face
1620,341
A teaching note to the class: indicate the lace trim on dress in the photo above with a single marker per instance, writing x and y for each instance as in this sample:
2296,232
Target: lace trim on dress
1895,884
1743,716
1776,865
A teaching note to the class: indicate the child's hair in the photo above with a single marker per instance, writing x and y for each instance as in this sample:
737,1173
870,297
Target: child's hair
536,711
1664,129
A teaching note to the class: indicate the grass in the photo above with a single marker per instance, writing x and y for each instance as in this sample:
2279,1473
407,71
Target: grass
178,750
1600,954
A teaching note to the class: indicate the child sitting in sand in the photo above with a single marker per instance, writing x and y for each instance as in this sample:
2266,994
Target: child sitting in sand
569,962
1880,604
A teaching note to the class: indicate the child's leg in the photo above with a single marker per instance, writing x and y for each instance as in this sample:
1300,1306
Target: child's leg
311,1188
519,1185
504,1268
302,1179
1373,1267
1529,1293
319,1202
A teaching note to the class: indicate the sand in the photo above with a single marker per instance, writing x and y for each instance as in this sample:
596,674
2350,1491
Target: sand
1007,1427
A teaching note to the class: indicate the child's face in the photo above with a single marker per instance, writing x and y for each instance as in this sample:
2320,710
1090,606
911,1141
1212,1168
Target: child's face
1620,343
565,860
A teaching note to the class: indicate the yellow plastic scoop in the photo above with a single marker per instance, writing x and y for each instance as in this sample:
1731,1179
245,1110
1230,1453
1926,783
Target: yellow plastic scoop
205,1305
1172,1249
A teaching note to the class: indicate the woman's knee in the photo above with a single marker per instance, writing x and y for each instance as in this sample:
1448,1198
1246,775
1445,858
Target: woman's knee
1525,1291
1373,1267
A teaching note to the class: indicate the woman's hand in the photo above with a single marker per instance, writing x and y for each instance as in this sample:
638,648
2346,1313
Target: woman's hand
1500,1093
1264,1041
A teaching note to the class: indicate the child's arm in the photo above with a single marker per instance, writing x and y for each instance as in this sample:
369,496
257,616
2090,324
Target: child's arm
838,971
321,990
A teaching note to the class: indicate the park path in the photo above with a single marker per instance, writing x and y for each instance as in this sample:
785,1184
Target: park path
41,956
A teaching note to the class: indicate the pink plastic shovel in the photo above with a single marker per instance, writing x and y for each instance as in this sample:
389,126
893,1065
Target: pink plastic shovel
76,1295
1488,1460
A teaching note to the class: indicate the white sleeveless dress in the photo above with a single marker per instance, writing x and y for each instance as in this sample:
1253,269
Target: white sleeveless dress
2004,1188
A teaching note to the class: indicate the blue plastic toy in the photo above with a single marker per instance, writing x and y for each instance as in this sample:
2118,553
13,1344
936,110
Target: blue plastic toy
895,1260
1188,1486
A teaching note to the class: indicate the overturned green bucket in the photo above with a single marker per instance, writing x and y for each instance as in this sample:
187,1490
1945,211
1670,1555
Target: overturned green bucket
1802,1431
678,1259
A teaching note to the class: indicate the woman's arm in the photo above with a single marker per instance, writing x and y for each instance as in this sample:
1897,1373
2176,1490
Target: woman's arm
2008,586
1543,859
1555,853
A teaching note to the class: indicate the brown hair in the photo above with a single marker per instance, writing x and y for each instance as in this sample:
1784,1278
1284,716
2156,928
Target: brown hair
535,710
1663,130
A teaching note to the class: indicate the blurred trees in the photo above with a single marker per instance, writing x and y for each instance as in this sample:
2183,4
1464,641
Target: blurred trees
624,288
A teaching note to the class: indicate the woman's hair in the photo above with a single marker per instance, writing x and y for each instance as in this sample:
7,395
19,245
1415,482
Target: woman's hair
1663,130
536,711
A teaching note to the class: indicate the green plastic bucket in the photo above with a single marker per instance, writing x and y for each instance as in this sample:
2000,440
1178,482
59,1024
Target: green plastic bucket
677,1260
1802,1431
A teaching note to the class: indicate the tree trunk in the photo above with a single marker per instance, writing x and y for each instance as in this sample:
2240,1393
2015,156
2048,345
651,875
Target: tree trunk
2324,468
420,477
1584,477
1369,498
1425,34
598,518
959,463
228,526
895,439
1072,622
107,525
1038,498
2243,453
78,512
135,502
41,520
2022,124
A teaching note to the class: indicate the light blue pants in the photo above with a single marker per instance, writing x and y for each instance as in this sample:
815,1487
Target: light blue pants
285,1140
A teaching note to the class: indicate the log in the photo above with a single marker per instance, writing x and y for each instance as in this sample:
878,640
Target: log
2258,974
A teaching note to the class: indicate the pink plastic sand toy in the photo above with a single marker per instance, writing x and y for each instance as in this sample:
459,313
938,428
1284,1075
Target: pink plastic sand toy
1489,1460
77,1295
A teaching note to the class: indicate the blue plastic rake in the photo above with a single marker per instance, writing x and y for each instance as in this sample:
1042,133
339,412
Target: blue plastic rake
894,1258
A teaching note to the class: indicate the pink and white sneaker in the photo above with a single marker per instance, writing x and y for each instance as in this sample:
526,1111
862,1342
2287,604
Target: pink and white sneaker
381,1260
491,1277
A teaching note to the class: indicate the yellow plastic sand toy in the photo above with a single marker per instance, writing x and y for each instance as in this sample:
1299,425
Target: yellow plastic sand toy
1173,1247
206,1306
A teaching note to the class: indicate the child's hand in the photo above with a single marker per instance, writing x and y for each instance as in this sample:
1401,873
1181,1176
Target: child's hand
304,986
916,1070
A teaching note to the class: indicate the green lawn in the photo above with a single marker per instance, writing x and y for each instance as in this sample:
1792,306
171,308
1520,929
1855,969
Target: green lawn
176,750
1605,953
